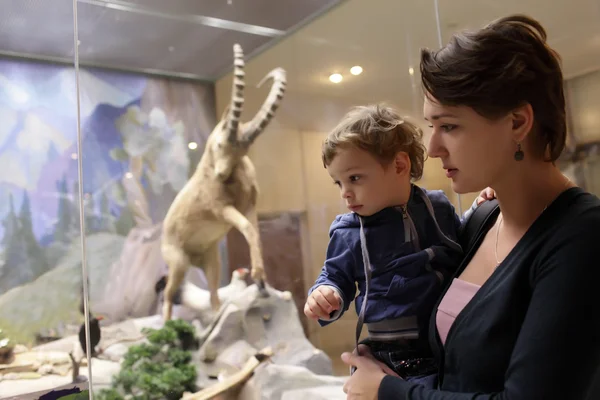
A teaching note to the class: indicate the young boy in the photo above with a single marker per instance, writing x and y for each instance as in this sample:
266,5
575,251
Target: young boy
398,237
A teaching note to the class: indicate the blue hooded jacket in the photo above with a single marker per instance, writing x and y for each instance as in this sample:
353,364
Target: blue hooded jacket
411,252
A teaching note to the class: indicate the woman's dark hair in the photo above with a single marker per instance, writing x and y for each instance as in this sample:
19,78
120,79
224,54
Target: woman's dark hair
498,68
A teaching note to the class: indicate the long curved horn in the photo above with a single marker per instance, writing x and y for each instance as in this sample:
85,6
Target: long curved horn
237,94
267,110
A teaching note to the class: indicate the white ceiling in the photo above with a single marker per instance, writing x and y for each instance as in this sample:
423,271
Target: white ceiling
385,36
189,38
194,38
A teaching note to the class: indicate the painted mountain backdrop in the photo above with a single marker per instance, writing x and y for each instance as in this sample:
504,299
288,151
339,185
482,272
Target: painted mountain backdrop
128,122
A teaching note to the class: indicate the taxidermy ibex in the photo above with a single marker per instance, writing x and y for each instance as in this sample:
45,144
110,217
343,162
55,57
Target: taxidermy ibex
220,195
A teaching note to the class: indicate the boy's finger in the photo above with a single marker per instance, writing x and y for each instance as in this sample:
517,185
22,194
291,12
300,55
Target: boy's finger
334,299
308,312
324,302
316,308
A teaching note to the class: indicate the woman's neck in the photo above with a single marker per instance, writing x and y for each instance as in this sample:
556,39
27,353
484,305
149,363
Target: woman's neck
525,194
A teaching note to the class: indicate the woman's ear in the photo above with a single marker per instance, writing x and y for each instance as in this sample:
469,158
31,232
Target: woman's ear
402,163
522,122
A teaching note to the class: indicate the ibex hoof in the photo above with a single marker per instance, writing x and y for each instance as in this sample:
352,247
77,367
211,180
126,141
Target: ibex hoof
262,290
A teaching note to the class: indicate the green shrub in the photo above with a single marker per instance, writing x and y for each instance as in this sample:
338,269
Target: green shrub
159,369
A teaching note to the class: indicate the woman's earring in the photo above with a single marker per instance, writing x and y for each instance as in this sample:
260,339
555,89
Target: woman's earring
519,155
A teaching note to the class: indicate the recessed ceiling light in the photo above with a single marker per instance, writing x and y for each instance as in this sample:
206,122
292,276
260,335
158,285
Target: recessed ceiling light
411,71
356,70
336,78
192,145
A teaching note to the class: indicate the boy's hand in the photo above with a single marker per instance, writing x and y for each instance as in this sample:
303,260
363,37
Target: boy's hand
486,194
322,302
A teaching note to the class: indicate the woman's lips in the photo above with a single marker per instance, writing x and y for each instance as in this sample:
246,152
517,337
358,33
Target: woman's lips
451,172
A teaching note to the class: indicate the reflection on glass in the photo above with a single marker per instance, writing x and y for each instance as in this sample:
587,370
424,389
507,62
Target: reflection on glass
578,47
154,81
40,250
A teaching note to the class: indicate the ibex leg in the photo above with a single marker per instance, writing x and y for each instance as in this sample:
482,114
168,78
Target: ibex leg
250,231
178,263
211,265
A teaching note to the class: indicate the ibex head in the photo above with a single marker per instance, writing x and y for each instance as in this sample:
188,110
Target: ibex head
229,141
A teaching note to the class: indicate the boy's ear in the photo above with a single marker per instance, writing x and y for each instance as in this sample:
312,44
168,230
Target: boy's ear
402,163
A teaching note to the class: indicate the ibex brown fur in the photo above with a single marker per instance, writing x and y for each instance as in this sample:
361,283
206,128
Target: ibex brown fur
221,194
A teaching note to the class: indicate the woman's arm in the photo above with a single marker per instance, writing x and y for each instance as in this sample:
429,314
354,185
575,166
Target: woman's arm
557,353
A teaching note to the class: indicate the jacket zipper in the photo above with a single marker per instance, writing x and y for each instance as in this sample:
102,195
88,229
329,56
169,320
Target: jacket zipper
410,231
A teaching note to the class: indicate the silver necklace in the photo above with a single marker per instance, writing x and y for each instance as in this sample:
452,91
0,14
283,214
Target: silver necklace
496,248
500,223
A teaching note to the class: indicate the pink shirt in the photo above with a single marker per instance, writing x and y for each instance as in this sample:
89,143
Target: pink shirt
456,298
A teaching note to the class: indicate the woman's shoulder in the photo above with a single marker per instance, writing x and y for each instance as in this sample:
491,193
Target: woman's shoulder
575,207
573,223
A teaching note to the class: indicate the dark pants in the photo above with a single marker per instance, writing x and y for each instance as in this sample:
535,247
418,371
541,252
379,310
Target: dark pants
411,359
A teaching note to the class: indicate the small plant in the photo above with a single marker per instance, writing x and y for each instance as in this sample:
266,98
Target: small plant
6,348
160,369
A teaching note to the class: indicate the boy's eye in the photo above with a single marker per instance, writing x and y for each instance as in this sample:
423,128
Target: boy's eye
354,178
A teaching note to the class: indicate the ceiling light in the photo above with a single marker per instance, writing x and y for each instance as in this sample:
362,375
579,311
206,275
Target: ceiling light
74,156
356,70
336,78
411,71
192,145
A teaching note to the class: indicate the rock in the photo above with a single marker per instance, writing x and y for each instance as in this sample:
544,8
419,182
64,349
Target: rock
228,330
300,352
45,369
102,372
264,321
19,348
316,393
246,324
116,352
152,321
278,382
236,355
62,345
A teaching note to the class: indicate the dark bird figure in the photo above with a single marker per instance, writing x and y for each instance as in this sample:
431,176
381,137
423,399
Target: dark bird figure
94,335
161,284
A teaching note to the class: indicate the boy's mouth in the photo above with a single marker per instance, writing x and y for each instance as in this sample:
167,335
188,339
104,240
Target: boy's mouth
354,207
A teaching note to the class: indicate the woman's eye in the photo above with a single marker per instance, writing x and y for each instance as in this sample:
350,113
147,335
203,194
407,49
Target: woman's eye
448,128
445,128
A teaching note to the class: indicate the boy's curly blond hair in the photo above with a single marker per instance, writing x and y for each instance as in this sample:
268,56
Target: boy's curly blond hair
379,130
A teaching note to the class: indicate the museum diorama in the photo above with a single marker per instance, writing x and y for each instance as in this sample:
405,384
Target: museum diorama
215,336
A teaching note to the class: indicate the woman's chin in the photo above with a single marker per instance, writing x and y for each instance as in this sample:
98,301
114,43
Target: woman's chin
462,188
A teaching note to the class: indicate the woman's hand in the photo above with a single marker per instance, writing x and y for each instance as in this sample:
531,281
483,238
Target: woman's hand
364,383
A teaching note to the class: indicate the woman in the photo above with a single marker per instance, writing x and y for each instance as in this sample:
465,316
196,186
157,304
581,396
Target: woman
521,319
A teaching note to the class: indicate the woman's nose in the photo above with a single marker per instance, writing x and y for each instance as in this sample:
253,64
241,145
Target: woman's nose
435,148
